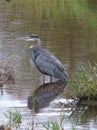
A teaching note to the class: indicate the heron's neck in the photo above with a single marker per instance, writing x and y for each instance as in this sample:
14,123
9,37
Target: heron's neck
38,43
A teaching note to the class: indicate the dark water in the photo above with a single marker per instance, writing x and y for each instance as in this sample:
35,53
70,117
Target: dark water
69,35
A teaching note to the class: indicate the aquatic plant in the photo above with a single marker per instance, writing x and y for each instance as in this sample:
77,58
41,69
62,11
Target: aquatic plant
14,118
54,125
57,125
83,83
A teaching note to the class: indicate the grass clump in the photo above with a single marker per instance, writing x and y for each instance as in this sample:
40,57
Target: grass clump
54,124
14,118
83,83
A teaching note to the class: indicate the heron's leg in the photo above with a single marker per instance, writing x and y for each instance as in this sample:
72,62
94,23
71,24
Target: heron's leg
43,79
1,86
51,79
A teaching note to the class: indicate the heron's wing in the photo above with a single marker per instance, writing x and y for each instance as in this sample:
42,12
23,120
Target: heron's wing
47,62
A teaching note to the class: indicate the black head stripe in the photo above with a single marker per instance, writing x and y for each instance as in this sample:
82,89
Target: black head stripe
34,36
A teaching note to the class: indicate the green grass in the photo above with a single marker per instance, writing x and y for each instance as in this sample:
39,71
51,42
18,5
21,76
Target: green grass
53,125
14,118
83,83
57,125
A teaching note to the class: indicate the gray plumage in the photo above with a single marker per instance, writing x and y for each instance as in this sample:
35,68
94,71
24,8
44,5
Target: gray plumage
45,61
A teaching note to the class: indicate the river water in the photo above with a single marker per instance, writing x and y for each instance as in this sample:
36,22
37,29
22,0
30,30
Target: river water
72,38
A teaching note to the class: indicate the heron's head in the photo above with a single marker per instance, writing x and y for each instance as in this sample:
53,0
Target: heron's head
32,37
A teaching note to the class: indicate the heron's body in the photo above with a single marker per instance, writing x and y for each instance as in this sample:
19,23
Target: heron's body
46,62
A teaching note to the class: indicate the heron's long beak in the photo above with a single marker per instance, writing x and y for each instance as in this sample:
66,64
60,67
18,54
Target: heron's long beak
26,38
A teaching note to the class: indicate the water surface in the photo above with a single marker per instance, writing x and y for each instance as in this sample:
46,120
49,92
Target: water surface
72,38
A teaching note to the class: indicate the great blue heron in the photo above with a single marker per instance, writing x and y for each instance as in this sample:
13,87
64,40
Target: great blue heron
44,60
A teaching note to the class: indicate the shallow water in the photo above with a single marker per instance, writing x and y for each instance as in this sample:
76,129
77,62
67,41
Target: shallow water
71,39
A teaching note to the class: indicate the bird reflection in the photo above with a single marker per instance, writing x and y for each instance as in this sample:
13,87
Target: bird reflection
46,93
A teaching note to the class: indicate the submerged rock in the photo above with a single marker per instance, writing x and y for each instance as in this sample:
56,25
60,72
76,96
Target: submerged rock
7,75
2,127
